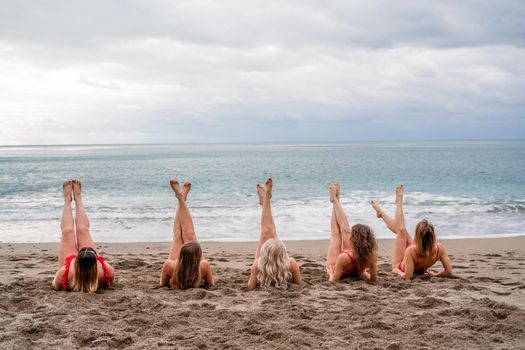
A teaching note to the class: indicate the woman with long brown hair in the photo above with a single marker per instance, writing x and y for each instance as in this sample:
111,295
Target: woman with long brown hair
185,267
81,269
416,255
272,266
352,251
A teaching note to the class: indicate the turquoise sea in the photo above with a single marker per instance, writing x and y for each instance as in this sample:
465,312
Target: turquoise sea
466,188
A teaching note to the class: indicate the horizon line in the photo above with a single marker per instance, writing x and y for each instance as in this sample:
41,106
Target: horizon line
261,142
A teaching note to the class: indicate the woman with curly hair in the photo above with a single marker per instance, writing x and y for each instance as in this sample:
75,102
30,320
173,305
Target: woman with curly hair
185,267
414,255
272,265
352,251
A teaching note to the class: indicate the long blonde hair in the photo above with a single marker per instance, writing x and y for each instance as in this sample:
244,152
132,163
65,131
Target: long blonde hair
274,265
86,273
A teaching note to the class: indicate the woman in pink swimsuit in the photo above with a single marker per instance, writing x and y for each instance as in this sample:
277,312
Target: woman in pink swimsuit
417,255
352,251
185,267
81,268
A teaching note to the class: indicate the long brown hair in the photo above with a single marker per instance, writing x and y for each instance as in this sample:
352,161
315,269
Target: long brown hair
425,238
364,245
189,265
86,273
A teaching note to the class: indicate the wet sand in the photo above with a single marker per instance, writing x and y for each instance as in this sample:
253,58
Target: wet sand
484,308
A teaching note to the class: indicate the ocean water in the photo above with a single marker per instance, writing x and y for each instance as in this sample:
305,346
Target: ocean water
466,189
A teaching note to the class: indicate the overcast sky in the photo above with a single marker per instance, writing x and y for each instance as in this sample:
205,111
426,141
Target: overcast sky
233,71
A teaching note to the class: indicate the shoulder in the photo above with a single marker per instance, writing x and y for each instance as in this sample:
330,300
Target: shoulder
60,273
441,249
293,263
169,265
204,264
343,258
70,261
411,251
59,276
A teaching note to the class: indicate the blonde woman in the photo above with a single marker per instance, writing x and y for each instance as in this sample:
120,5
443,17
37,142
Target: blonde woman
352,251
417,255
272,265
81,269
185,267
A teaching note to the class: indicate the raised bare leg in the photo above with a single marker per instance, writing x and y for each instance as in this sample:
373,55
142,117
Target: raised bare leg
261,192
186,190
400,216
336,243
342,220
344,237
67,245
403,239
389,221
177,228
186,222
268,230
81,220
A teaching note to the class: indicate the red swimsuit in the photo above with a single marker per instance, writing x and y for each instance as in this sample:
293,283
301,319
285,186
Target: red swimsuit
401,264
68,265
355,269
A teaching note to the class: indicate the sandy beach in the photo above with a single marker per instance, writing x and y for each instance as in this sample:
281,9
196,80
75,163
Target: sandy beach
484,308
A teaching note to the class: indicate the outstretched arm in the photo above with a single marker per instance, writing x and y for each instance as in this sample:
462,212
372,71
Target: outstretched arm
111,272
252,282
447,265
208,274
296,272
57,281
370,276
167,272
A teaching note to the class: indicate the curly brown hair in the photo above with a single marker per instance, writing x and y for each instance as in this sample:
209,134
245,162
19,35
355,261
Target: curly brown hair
364,245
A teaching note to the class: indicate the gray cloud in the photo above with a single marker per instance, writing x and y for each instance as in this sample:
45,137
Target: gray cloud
108,71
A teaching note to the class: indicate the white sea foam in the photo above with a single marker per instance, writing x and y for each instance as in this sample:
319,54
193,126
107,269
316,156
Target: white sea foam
36,218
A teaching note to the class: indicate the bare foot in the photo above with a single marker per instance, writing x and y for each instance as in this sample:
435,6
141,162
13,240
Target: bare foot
185,190
268,187
338,191
67,188
333,192
176,188
378,210
261,192
77,188
399,194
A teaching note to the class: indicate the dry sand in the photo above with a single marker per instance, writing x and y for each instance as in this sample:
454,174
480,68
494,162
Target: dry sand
483,309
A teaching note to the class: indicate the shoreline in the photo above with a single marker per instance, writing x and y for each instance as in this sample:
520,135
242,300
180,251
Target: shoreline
462,245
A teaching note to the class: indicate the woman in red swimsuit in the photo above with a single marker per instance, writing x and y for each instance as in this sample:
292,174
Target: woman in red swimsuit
417,255
352,251
185,267
81,268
